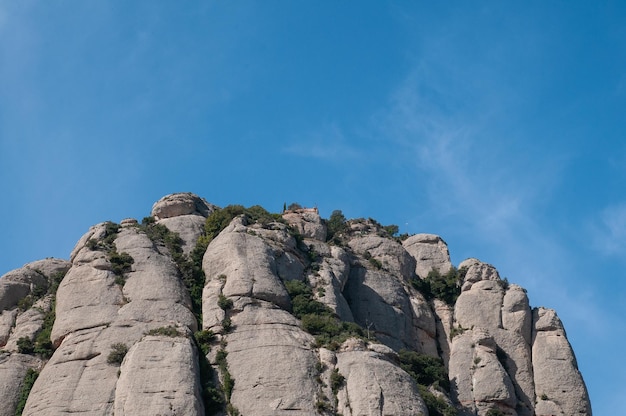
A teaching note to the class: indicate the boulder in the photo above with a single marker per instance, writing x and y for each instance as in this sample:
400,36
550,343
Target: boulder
188,227
391,255
430,252
246,264
184,203
480,306
307,222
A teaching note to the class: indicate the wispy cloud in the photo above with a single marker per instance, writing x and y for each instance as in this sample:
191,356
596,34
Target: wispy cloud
328,143
608,230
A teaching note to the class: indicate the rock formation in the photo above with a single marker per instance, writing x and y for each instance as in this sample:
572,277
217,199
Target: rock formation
199,310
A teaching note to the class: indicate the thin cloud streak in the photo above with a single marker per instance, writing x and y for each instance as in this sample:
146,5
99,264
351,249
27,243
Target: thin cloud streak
328,144
609,230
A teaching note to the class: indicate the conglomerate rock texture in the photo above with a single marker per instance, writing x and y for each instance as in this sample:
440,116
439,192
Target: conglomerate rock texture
120,329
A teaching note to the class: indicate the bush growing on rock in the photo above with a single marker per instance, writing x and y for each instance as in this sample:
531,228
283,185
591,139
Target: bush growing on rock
25,345
224,303
29,381
168,331
335,225
446,287
117,354
426,370
120,262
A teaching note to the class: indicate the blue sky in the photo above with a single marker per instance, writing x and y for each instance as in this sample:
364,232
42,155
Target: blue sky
498,125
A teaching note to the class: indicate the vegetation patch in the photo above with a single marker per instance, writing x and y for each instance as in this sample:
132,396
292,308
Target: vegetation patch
337,381
446,287
318,319
117,354
224,303
228,382
189,267
121,263
335,226
204,339
437,406
167,331
428,371
41,345
27,386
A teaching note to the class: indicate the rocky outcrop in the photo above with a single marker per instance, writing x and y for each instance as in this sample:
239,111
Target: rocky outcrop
181,204
275,320
430,252
559,384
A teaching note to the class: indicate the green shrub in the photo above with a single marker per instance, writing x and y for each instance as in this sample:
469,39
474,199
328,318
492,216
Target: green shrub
436,405
446,287
224,303
204,339
232,410
25,345
318,319
336,381
227,324
168,331
335,225
117,354
376,263
322,406
27,385
495,412
392,229
456,330
426,370
220,358
228,384
43,345
120,262
25,303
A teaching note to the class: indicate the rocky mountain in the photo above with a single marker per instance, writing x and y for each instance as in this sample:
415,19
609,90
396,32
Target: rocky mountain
201,310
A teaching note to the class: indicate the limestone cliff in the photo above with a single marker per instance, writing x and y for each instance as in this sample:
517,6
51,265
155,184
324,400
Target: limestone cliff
202,310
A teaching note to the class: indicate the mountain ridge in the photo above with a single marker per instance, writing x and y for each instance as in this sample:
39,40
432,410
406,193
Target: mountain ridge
208,310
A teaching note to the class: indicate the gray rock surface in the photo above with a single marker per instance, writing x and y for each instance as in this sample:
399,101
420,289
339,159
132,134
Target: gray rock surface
430,252
184,203
375,386
156,378
559,384
13,368
272,361
307,222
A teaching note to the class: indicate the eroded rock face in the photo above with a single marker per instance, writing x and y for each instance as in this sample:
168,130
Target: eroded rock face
181,204
430,252
13,368
559,385
374,386
491,313
499,354
307,222
280,381
156,378
96,309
